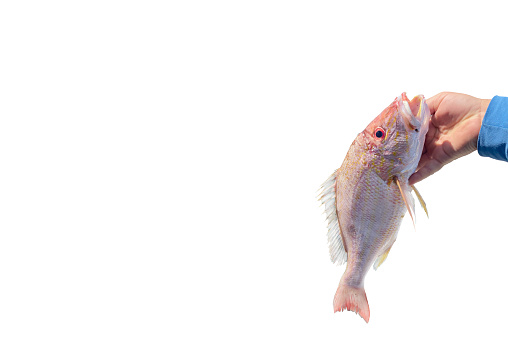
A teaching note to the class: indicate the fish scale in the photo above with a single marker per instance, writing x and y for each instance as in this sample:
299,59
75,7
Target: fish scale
367,197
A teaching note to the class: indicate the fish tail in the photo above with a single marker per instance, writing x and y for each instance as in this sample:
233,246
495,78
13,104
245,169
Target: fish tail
353,299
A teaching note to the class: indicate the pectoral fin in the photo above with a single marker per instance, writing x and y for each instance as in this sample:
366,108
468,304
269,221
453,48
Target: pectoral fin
407,197
420,199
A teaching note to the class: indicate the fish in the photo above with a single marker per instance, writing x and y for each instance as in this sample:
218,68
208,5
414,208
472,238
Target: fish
366,199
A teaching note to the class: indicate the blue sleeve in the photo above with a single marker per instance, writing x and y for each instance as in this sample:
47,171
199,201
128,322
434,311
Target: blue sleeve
493,138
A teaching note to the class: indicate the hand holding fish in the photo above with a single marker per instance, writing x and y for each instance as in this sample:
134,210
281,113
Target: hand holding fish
453,131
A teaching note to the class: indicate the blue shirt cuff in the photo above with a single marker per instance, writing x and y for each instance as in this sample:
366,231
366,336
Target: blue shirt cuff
493,137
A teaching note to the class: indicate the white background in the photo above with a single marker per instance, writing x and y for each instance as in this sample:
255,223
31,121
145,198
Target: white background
159,163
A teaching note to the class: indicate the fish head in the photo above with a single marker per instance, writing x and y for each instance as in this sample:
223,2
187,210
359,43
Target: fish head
394,139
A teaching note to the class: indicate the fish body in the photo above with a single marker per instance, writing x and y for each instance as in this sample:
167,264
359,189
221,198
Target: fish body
367,197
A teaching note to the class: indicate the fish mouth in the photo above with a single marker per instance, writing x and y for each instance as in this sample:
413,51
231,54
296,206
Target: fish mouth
414,112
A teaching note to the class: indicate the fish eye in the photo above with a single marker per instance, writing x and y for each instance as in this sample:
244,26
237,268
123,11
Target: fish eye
379,133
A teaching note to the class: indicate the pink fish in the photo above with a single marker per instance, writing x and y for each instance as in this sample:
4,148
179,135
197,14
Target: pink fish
367,197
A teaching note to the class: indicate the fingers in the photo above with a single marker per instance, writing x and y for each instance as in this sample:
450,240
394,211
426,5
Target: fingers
414,178
430,167
435,101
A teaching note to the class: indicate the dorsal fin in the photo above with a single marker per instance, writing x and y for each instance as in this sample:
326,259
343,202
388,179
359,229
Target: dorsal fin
328,198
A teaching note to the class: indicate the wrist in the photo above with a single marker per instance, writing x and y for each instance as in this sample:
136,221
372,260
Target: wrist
484,104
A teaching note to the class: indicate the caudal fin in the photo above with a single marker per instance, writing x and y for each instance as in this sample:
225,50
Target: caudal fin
353,299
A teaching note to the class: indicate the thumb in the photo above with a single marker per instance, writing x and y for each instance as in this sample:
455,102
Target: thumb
430,167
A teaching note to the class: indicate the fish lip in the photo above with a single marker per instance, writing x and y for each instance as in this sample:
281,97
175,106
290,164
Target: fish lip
413,112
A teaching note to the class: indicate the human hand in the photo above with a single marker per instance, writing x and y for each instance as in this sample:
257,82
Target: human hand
453,131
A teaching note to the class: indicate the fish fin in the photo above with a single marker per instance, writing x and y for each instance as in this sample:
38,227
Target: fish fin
352,299
328,196
408,198
381,259
420,199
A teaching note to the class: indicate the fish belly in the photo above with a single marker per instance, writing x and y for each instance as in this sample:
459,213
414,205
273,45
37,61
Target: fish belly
370,212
